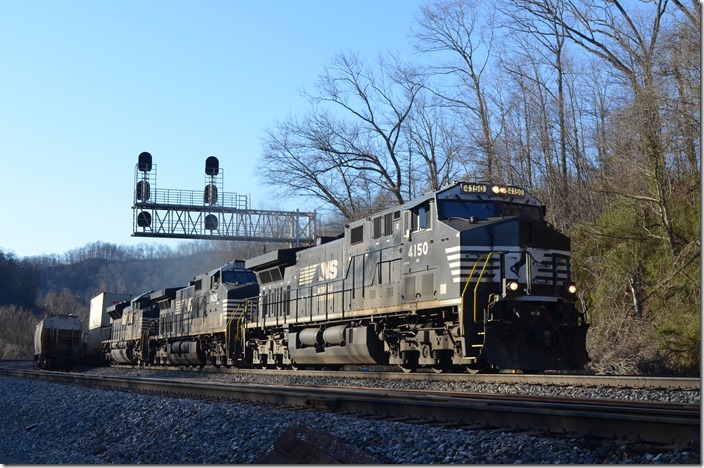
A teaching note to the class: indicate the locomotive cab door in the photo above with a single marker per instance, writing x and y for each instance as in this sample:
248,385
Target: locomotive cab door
417,265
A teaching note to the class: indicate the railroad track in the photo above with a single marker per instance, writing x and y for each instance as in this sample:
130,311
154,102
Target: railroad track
582,380
615,381
610,419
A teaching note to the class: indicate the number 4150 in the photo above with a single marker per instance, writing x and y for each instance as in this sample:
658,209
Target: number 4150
418,249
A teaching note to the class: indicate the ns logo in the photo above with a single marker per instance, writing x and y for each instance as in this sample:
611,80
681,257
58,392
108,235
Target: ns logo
323,271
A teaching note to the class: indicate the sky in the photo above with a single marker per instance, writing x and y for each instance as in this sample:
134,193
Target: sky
88,85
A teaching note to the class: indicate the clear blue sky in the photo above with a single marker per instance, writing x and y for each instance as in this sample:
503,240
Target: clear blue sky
88,85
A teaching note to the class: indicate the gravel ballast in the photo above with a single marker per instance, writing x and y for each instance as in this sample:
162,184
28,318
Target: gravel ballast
48,423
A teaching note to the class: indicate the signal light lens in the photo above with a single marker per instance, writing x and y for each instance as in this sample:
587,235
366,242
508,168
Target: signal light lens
572,288
512,286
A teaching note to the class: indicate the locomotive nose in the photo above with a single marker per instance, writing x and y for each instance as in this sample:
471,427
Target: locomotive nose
542,338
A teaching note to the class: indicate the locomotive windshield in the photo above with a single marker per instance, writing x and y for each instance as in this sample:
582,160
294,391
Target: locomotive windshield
465,209
238,276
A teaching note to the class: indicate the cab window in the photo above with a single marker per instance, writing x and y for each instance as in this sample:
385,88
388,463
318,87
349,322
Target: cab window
420,217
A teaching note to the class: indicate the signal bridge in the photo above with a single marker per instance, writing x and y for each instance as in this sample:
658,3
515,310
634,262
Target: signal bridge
211,213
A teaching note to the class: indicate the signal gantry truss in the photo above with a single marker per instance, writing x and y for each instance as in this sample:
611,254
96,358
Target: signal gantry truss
211,213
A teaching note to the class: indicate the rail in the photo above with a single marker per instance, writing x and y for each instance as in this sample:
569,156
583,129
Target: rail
612,419
383,373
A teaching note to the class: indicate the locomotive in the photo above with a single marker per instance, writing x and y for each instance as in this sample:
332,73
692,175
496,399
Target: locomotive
469,277
57,342
187,325
466,278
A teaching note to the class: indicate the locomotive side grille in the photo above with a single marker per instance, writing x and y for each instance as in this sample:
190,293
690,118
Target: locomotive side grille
145,323
427,282
409,288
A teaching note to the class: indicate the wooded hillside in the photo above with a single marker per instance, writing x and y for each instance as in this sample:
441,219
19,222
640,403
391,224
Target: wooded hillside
33,287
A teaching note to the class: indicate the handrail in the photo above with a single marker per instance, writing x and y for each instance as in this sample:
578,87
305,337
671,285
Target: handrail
177,197
241,323
464,290
231,319
486,262
145,344
301,293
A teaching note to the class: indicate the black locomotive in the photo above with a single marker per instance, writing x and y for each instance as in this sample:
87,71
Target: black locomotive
182,325
469,277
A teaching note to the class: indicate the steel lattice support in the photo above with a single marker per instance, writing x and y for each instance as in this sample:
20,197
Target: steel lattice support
189,222
211,213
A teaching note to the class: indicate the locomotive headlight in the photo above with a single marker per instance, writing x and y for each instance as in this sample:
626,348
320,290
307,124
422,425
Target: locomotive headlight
499,190
572,288
510,287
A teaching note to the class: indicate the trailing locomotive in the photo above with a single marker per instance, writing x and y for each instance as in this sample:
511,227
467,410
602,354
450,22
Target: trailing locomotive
470,277
182,325
57,342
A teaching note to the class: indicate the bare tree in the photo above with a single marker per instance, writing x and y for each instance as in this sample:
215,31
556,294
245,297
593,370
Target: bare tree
628,40
682,69
464,29
349,150
17,327
435,137
549,34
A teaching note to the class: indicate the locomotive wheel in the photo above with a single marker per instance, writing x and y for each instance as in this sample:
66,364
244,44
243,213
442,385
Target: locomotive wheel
443,364
410,362
408,368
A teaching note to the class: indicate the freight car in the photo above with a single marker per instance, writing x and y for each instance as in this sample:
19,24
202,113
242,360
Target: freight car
469,277
57,342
